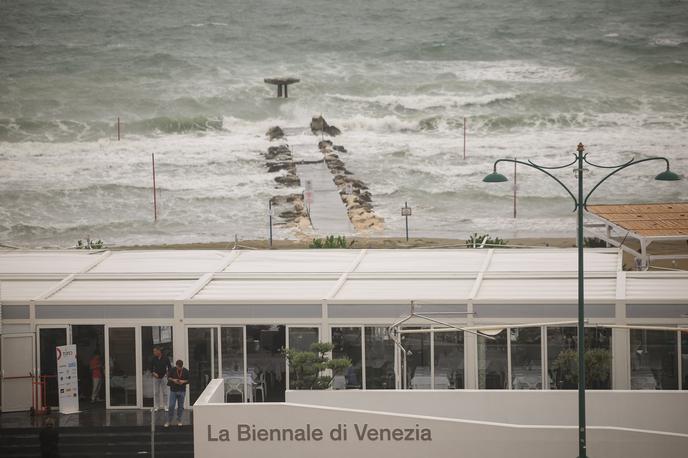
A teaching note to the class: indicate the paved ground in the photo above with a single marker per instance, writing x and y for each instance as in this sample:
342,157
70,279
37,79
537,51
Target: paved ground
328,212
91,416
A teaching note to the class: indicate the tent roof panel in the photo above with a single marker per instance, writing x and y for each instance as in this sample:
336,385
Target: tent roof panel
654,287
46,262
265,289
160,261
422,261
405,289
24,290
545,288
553,261
293,261
121,290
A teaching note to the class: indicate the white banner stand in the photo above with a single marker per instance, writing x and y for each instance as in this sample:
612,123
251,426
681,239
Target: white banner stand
67,379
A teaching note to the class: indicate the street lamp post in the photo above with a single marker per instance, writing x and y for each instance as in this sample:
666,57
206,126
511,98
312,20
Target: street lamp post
580,203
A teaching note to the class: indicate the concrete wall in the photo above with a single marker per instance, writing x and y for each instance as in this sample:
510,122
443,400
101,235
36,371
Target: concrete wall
434,429
447,437
649,410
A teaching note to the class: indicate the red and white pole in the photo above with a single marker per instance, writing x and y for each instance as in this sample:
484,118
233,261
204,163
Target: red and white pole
155,196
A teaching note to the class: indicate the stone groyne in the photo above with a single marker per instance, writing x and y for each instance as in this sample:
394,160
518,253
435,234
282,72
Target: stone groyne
354,193
289,209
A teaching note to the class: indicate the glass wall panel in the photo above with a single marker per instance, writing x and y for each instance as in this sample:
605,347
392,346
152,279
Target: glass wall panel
232,344
122,354
301,339
684,359
203,360
151,337
265,361
346,343
526,358
51,338
449,372
492,362
562,358
654,361
90,348
418,361
379,359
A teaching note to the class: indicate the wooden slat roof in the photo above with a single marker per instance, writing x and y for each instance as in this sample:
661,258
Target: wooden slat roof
651,220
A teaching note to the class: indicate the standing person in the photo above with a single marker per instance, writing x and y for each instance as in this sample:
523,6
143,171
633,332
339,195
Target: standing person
49,438
96,366
177,379
159,367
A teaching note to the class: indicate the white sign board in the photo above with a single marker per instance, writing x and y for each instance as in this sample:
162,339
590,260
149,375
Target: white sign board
67,379
297,431
539,425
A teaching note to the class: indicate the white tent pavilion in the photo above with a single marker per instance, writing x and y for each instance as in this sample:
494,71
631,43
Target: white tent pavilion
233,305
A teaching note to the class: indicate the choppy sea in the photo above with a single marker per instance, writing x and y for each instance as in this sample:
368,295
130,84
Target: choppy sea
532,77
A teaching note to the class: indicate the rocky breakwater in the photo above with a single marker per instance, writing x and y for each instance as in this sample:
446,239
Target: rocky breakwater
354,193
290,209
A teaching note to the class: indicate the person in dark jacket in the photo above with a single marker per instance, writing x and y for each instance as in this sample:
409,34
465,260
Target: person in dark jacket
159,367
49,438
177,379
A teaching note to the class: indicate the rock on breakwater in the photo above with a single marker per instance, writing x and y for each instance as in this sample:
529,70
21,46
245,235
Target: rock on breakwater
359,202
290,209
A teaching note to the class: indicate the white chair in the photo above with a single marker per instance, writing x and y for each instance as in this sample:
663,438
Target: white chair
234,386
261,386
339,382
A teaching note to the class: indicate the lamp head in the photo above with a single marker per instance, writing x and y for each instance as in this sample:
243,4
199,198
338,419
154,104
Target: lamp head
668,175
495,177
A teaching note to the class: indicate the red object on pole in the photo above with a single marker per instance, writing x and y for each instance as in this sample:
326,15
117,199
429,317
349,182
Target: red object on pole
118,129
155,197
464,137
39,402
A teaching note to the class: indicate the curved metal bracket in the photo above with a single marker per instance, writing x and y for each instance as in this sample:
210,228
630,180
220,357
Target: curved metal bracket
543,170
575,156
618,169
607,166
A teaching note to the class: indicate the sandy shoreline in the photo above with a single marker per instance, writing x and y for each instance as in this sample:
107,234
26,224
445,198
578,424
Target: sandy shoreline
354,242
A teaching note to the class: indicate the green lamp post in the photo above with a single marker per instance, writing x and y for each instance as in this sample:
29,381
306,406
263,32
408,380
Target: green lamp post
580,204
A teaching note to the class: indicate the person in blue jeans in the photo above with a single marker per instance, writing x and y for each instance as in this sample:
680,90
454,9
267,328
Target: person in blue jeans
177,379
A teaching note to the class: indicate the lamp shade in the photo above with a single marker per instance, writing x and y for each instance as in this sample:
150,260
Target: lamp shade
668,175
495,177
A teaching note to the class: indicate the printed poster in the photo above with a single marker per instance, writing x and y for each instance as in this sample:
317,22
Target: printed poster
67,379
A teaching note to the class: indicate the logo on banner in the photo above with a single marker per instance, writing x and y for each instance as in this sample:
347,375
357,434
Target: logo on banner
67,379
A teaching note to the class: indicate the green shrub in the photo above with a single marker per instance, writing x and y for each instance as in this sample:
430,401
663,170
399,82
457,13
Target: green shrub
330,241
476,241
307,368
594,242
598,363
89,244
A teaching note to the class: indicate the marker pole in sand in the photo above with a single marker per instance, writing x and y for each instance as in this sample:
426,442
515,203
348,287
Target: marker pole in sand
464,138
515,188
406,212
155,195
118,130
270,218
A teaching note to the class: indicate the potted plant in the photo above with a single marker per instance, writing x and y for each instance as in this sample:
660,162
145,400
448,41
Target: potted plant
308,369
598,363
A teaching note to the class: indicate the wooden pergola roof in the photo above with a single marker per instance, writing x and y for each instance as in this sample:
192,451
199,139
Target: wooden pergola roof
646,220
